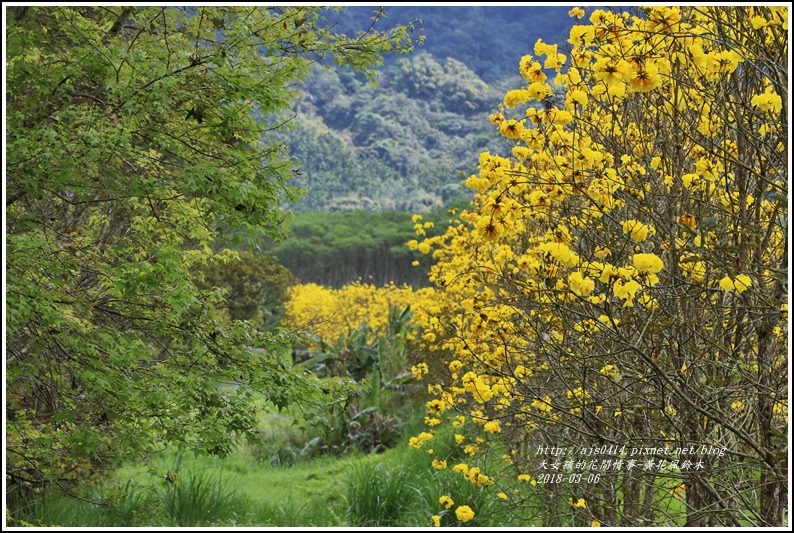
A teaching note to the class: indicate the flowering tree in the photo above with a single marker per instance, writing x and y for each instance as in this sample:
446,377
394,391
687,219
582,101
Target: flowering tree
615,299
328,313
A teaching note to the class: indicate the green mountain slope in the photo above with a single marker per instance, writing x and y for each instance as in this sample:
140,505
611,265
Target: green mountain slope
409,143
490,40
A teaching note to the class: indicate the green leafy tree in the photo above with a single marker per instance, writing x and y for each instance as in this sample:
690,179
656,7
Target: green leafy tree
131,149
256,286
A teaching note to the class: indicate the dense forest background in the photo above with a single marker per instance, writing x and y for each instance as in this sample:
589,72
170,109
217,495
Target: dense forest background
409,142
490,40
373,154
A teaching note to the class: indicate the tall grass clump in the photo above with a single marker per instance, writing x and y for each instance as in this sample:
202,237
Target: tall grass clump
377,495
196,498
125,506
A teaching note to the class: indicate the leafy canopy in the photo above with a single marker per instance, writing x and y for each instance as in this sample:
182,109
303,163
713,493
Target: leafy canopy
131,149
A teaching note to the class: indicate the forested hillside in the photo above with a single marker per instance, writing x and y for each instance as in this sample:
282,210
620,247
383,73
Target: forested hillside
407,144
336,248
410,142
490,40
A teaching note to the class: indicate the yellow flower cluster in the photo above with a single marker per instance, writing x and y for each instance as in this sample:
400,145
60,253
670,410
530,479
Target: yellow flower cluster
739,283
648,263
419,440
477,387
578,504
329,313
610,371
464,513
418,371
768,101
637,230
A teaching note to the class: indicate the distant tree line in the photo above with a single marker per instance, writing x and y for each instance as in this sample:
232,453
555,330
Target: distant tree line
334,249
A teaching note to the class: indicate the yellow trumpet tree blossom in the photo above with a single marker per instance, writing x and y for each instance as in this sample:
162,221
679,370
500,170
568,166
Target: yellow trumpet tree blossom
632,229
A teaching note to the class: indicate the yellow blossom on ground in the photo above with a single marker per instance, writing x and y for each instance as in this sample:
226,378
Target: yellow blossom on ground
446,501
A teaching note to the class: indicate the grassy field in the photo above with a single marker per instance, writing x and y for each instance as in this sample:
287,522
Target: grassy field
287,480
249,488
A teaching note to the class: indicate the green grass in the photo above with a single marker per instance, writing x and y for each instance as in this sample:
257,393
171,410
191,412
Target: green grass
130,508
270,484
199,497
249,492
378,495
395,488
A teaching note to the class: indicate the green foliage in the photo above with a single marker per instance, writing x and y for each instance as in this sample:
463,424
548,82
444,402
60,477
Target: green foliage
255,287
132,148
377,361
